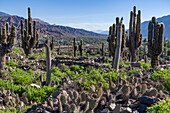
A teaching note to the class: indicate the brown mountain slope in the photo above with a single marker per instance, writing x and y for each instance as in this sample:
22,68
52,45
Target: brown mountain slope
45,29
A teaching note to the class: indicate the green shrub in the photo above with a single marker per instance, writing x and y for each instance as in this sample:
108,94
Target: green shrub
11,64
22,77
32,57
16,51
165,75
161,107
145,65
133,71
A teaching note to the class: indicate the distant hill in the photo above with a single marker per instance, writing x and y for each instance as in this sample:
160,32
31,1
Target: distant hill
45,29
4,14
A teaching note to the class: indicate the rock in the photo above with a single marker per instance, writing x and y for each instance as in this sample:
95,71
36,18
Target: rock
135,105
20,57
135,64
142,108
112,106
35,86
139,74
117,109
45,111
147,100
7,58
106,110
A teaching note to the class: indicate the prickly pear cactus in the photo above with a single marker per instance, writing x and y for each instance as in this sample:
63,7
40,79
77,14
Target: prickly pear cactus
155,41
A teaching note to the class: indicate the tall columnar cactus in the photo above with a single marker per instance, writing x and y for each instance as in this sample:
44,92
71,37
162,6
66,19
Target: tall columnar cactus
52,44
112,38
118,44
165,47
7,44
81,48
75,48
135,37
102,49
29,39
48,62
155,41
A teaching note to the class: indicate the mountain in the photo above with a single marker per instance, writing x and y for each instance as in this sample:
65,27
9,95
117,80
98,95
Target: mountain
4,14
164,19
46,30
102,32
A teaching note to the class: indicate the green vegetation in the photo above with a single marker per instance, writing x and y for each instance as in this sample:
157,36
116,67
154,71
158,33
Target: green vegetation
16,51
32,57
161,107
165,75
11,64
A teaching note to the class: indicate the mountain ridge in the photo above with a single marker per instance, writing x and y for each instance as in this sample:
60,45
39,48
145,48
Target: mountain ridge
47,30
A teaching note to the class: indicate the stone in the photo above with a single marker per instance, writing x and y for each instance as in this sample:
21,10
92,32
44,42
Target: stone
135,105
112,106
139,74
147,100
35,86
117,109
142,108
106,110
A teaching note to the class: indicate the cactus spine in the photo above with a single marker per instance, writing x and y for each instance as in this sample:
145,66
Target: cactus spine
52,44
81,48
118,44
48,62
155,41
112,39
75,48
7,44
135,37
29,39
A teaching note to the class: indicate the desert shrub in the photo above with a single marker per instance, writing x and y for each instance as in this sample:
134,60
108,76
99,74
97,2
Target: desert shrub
11,64
42,55
133,71
32,57
77,67
161,107
16,51
145,65
165,75
21,77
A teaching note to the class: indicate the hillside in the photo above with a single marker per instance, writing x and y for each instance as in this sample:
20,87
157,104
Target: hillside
45,29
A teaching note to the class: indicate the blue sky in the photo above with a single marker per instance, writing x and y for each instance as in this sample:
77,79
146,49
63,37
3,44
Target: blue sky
87,14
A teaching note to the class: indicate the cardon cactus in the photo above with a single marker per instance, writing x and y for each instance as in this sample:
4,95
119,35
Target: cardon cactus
29,39
155,41
52,44
135,37
112,38
102,49
48,62
7,44
81,48
75,48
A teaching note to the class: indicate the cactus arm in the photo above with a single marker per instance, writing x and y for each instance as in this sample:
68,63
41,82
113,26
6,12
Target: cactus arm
12,38
33,39
160,39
